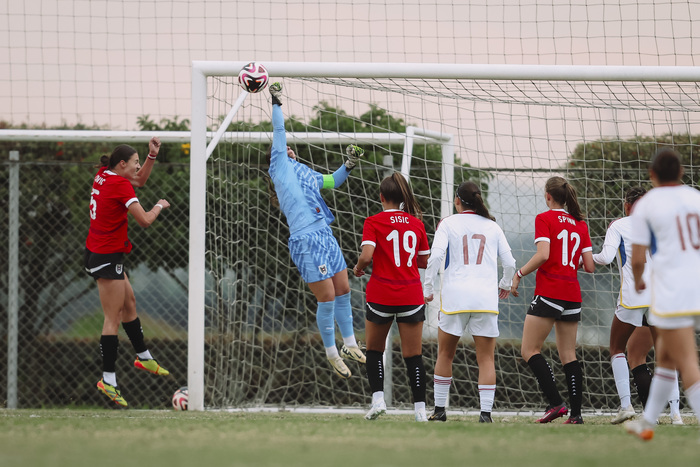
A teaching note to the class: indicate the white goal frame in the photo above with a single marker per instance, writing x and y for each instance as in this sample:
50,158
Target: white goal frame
201,70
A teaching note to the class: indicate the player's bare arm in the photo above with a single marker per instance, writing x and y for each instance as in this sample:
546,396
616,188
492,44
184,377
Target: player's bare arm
144,218
144,172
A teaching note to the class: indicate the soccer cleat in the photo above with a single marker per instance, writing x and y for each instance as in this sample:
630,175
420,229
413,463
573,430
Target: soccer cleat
553,413
112,392
676,419
340,367
421,416
352,353
276,93
438,416
640,428
574,421
624,414
485,417
151,366
376,410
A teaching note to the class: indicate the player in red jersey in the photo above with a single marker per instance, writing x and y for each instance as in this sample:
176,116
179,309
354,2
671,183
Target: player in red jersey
112,198
396,243
562,240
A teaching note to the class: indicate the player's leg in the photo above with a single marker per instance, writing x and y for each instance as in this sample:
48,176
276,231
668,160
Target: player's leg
342,313
112,292
620,333
535,331
566,346
132,326
376,330
674,400
450,329
683,353
485,350
411,334
324,291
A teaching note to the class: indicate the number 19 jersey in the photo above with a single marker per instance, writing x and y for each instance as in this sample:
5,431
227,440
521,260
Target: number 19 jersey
398,239
568,239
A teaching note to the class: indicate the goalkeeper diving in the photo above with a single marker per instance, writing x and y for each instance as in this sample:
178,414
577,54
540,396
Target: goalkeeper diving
312,246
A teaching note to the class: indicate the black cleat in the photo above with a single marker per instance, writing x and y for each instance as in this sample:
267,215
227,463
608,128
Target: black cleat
485,417
578,420
438,416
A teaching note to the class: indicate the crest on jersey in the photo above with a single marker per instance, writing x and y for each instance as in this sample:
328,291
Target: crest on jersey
119,268
323,269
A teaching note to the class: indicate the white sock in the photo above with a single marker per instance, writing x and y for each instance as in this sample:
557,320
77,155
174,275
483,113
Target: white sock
661,386
441,387
145,355
332,352
692,394
377,397
109,378
487,393
419,407
674,400
350,341
621,373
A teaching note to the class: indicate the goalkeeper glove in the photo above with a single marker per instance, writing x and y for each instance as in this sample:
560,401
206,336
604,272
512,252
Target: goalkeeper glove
276,93
354,153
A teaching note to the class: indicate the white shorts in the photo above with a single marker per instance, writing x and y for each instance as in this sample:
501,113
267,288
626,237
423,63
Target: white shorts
633,316
674,322
476,324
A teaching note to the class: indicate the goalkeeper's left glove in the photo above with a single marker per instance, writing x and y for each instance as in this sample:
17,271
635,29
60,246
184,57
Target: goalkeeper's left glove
354,153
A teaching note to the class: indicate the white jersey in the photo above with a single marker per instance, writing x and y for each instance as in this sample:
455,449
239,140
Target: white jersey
667,220
472,245
618,244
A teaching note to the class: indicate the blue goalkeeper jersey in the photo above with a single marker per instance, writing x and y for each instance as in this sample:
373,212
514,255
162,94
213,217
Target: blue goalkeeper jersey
298,187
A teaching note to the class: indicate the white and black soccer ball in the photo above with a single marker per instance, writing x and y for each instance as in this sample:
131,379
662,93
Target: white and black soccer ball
253,77
180,399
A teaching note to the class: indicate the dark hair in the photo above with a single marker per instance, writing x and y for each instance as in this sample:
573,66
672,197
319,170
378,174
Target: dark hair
666,164
469,195
563,193
123,152
396,189
633,194
274,200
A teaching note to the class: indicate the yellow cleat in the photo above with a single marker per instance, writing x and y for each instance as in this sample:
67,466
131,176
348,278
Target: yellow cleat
112,392
352,353
151,366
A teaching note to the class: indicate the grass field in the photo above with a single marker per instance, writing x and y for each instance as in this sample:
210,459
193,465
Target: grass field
104,438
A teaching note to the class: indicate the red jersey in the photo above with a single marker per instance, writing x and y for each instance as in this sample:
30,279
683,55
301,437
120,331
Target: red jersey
111,197
568,238
398,238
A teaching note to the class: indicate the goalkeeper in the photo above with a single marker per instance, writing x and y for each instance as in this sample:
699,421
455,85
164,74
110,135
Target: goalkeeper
313,248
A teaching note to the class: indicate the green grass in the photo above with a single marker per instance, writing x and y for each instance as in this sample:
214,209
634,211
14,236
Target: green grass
104,438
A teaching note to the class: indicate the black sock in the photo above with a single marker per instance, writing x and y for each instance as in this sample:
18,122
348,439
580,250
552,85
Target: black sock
375,370
574,380
545,377
109,346
416,377
641,376
135,332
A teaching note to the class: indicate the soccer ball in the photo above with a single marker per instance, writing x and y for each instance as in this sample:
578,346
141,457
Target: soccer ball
253,77
180,399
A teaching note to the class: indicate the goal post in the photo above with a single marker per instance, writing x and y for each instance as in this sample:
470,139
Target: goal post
511,125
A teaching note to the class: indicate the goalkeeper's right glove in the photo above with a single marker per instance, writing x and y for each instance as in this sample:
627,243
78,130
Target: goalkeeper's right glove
276,93
354,153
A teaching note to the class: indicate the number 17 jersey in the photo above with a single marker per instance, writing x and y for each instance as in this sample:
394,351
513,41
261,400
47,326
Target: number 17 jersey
568,238
398,239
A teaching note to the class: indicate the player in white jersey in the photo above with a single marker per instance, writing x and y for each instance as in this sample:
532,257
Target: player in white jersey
629,328
667,221
472,243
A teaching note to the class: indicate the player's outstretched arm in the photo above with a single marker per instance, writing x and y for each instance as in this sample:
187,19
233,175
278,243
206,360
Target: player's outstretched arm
144,172
338,177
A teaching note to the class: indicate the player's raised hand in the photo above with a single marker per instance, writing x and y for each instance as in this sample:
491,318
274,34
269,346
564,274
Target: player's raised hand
154,147
354,153
276,92
163,203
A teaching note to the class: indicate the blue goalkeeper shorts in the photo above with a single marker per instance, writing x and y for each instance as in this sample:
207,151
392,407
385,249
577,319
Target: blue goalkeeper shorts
317,255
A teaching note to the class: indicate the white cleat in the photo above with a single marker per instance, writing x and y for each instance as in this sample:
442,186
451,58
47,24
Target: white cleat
623,415
676,419
352,353
640,428
376,410
339,367
421,416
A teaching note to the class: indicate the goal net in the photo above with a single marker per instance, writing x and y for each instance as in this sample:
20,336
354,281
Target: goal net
253,334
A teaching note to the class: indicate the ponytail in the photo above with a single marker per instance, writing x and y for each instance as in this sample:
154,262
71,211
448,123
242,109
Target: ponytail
123,152
563,193
469,196
396,189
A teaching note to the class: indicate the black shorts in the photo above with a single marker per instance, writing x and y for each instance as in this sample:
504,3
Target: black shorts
109,266
382,314
560,310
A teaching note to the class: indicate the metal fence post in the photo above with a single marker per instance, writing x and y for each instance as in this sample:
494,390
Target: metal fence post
13,282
